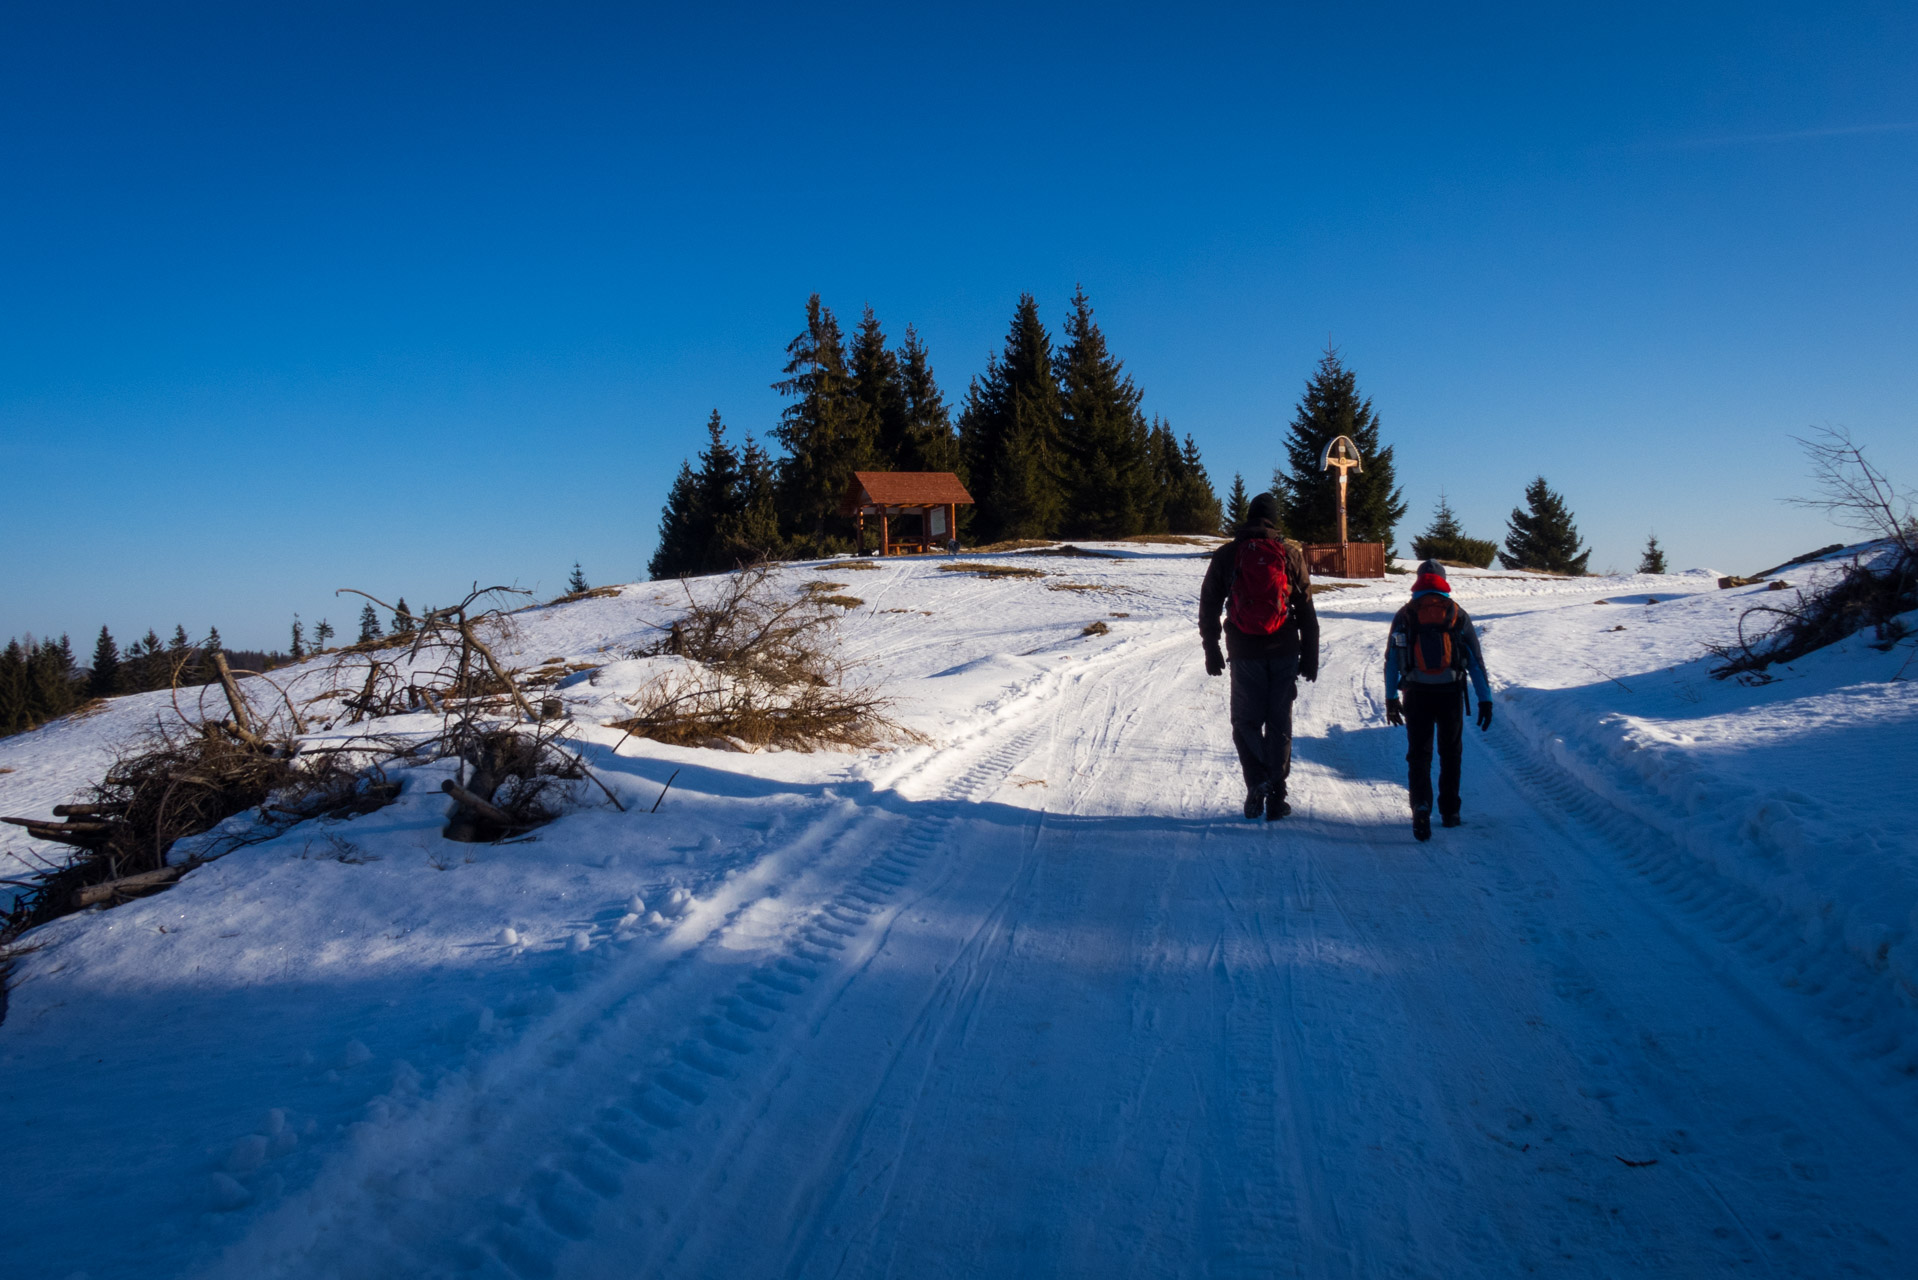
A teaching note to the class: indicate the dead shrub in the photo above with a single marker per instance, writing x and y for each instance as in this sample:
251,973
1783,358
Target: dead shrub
506,781
172,786
1095,629
761,671
1879,584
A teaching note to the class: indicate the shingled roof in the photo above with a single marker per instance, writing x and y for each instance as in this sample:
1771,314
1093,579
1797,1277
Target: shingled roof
905,489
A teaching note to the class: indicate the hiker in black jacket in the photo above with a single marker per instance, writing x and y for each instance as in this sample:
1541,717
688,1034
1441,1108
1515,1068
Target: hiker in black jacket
1431,653
1272,636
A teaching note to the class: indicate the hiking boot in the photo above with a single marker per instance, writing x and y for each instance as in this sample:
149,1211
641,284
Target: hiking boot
1254,803
1450,820
1276,807
1422,823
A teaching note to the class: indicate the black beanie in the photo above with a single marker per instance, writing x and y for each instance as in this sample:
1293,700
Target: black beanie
1263,510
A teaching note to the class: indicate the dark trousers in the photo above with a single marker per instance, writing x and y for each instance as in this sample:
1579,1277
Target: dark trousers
1434,710
1263,690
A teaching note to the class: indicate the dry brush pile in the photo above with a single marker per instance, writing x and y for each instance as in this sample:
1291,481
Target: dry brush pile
1870,593
200,767
750,668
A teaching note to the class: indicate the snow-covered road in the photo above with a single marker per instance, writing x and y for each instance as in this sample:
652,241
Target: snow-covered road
1027,1004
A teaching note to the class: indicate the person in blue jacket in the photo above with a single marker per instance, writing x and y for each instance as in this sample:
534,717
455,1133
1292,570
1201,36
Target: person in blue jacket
1432,652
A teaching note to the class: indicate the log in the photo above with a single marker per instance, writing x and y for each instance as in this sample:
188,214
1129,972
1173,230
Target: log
72,828
129,886
90,810
67,833
234,698
484,808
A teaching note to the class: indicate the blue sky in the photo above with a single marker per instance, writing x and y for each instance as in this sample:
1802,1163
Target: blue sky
304,296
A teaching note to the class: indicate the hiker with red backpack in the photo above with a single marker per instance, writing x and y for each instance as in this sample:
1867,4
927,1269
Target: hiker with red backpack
1272,635
1432,653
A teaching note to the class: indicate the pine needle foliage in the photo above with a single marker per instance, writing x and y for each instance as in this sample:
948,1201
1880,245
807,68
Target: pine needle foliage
1010,436
1445,539
828,432
720,516
1542,536
1237,504
1109,483
1653,559
1309,497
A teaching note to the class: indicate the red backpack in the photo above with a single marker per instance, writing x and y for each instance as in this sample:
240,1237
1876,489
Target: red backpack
1434,617
1260,588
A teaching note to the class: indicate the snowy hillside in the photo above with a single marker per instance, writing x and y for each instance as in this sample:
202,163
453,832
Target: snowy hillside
1026,996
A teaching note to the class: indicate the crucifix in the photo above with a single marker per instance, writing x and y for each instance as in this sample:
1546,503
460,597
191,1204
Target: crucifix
1340,452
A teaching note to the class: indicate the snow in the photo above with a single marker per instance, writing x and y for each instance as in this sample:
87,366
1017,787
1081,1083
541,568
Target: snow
1025,995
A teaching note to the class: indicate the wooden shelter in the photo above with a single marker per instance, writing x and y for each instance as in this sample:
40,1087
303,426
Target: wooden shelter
917,510
1346,559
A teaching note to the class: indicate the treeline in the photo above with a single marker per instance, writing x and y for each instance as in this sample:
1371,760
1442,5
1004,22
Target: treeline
40,680
1049,443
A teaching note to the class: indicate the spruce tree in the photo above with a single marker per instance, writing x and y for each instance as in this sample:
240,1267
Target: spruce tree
875,383
1653,561
150,663
749,529
1165,464
928,443
1009,436
1445,539
827,432
213,642
179,656
403,621
1237,504
577,583
49,681
1309,497
14,715
369,623
1108,485
699,501
1190,504
298,651
1542,536
322,632
105,680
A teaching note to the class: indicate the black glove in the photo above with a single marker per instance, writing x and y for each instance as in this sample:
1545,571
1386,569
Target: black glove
1214,660
1394,711
1484,715
1310,672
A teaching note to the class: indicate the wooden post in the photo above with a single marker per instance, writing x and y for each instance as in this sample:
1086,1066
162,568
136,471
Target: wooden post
861,524
885,532
952,523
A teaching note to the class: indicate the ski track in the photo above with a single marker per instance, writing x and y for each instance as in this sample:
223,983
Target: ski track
1040,1010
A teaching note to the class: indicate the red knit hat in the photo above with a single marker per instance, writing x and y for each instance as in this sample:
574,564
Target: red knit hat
1431,578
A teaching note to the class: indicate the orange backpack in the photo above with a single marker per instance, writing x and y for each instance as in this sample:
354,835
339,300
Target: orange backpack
1434,618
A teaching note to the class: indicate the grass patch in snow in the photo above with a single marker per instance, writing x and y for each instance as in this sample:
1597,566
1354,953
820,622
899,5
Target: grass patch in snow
1013,544
1095,629
1069,550
992,570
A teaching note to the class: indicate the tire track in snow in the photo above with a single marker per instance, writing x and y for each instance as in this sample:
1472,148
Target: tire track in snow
398,1204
